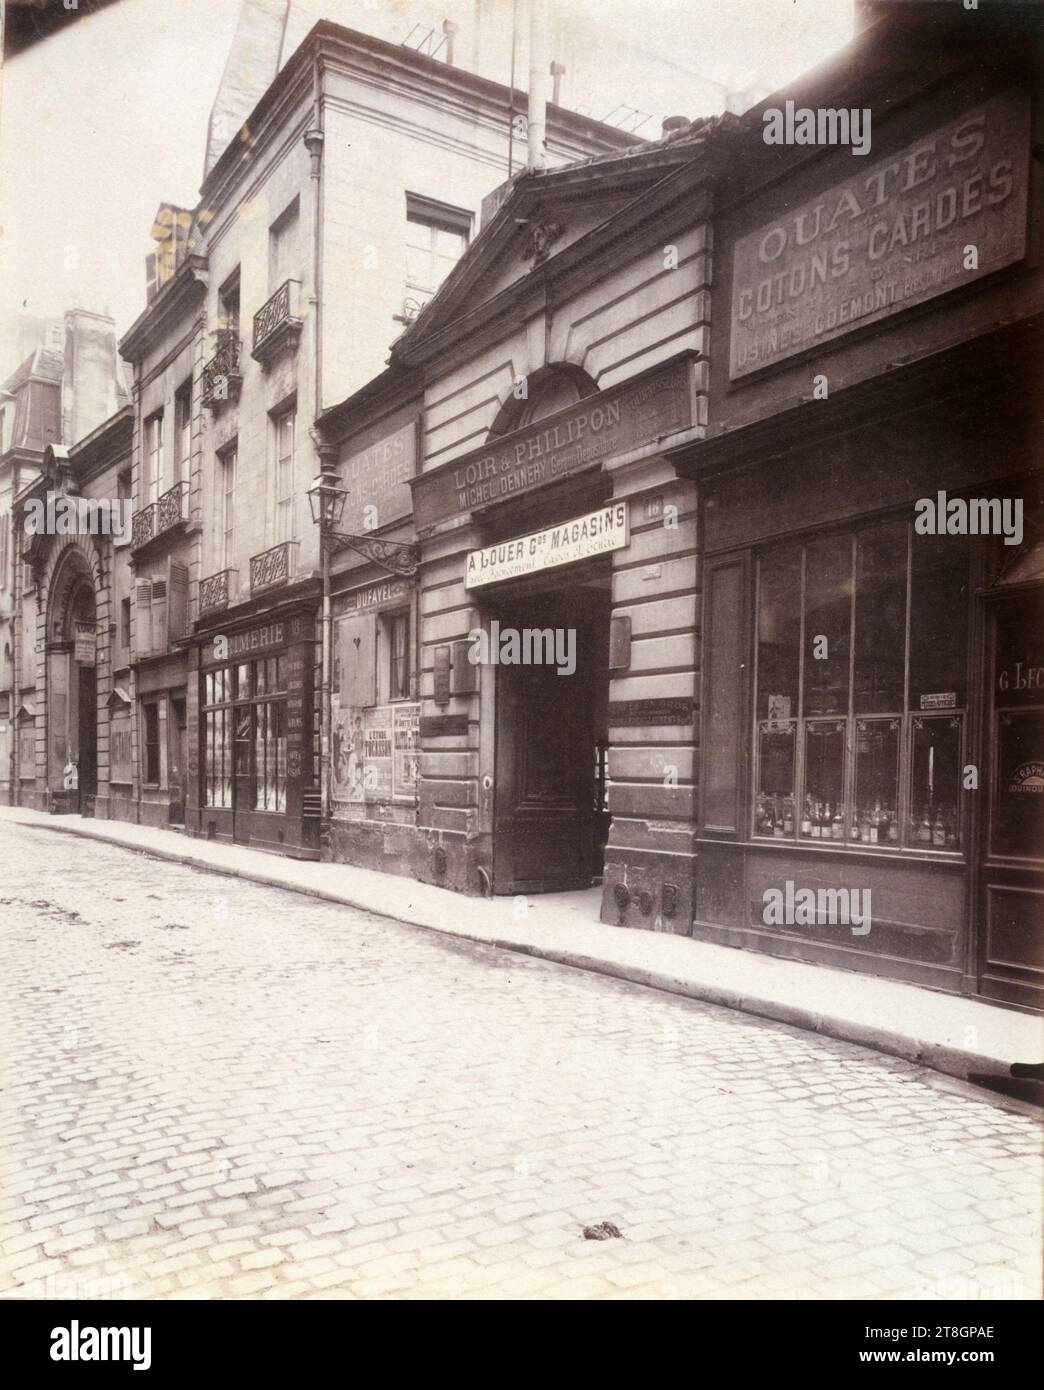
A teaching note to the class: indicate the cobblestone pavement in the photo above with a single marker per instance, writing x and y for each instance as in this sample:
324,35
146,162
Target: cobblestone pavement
216,1089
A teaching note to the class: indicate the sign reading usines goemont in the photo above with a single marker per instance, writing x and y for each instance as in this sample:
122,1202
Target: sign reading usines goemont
594,534
378,478
603,425
885,239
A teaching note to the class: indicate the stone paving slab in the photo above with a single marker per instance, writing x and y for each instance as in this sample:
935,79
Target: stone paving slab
218,1089
959,1036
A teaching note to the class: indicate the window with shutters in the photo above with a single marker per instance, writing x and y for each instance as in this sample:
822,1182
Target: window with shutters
393,655
143,617
177,601
217,737
125,624
159,615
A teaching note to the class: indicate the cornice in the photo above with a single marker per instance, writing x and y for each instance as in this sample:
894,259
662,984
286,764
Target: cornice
173,301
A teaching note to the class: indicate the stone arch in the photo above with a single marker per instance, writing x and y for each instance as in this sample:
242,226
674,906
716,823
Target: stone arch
73,595
551,388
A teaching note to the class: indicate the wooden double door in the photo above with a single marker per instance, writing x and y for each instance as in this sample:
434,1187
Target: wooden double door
549,823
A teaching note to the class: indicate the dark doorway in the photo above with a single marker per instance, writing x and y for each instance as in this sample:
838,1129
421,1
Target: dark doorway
177,759
87,735
549,822
1010,899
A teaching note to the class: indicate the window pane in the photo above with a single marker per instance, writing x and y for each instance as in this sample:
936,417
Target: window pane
418,266
938,619
823,816
243,680
260,683
934,783
828,607
1017,825
774,812
880,621
875,821
779,634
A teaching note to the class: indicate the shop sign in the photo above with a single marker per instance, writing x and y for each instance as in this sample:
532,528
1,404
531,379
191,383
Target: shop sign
604,425
377,481
597,533
885,239
641,712
944,699
377,595
84,643
1028,778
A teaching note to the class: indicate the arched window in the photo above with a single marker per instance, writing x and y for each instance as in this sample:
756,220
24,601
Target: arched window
551,389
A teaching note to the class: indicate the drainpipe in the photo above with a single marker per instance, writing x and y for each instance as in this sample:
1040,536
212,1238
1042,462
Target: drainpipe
314,139
539,25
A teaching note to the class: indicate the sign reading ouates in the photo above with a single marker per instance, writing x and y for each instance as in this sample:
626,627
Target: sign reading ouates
377,480
887,238
595,534
604,425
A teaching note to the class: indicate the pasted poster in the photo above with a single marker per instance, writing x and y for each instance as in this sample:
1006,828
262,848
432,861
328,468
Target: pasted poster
373,752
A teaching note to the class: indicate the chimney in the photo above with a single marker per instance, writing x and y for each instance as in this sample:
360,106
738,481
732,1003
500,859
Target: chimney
538,74
89,373
557,73
250,69
672,124
450,30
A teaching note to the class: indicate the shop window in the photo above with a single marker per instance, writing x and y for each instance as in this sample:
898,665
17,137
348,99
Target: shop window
152,743
860,689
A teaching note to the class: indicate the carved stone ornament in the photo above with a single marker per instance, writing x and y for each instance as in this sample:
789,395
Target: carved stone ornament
540,237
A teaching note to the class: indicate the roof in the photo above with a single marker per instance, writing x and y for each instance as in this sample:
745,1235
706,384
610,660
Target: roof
41,365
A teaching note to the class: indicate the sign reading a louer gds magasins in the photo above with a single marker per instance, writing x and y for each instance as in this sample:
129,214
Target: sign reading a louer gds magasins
887,238
584,536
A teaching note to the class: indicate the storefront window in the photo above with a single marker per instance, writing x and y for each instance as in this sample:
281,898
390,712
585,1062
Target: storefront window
858,633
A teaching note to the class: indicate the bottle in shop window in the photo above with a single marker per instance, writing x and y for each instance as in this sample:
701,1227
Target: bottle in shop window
924,829
875,824
893,828
864,826
788,816
817,821
806,819
777,820
837,825
938,831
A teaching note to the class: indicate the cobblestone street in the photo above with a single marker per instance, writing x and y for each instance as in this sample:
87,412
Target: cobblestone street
216,1089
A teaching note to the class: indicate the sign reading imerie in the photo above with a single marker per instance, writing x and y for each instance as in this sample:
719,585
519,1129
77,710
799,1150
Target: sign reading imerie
885,239
594,534
601,426
378,478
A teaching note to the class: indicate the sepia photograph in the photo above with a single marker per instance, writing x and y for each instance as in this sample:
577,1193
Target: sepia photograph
521,670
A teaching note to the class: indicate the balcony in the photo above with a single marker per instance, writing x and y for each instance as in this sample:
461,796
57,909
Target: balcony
170,510
217,590
276,324
143,526
272,567
221,379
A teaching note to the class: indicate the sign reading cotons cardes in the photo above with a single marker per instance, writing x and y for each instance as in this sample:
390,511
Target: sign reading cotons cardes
603,425
887,238
594,534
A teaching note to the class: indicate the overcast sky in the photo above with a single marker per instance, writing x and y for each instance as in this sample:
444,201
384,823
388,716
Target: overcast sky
106,119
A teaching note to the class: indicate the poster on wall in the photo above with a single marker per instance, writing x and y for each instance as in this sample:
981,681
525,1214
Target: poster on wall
374,752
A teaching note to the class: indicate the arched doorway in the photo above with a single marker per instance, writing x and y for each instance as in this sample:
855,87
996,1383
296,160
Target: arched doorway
72,690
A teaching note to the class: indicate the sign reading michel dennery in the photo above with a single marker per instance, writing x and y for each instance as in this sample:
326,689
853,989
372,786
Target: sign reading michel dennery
887,238
595,534
604,425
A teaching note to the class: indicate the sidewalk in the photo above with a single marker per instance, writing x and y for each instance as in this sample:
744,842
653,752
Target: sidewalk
962,1037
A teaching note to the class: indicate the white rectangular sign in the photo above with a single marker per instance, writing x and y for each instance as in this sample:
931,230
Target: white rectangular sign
584,536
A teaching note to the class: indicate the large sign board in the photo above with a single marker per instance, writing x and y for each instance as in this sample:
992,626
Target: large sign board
595,534
889,237
604,425
377,479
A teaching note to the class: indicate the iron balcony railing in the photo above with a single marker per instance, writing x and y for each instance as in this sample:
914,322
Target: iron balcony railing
276,323
272,567
221,379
